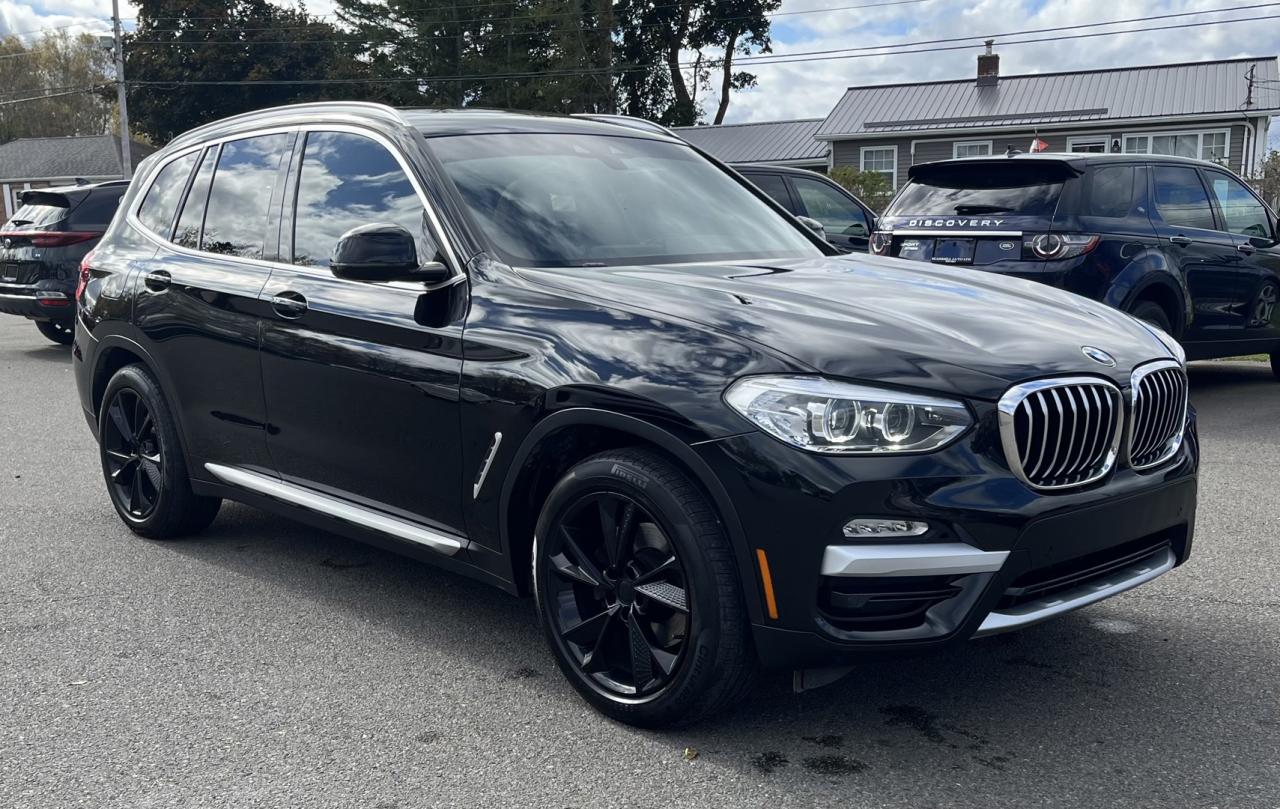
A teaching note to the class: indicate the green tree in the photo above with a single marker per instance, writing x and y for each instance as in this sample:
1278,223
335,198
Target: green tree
181,42
57,63
1266,178
872,187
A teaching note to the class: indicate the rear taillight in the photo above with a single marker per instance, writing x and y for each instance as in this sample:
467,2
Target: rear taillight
52,299
51,238
85,269
1057,246
880,242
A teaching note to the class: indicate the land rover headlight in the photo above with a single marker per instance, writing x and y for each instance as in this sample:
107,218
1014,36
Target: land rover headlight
823,415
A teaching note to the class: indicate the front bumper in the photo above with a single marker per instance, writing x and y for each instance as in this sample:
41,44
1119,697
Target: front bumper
997,557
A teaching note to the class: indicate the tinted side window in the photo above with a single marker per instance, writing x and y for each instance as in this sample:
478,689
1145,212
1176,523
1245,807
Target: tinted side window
1110,192
1244,214
774,186
235,223
349,180
187,233
834,210
1181,198
97,209
161,202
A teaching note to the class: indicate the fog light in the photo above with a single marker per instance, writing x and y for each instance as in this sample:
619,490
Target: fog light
864,527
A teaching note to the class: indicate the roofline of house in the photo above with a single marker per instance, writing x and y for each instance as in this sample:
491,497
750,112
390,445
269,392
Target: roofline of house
748,123
1066,73
1170,120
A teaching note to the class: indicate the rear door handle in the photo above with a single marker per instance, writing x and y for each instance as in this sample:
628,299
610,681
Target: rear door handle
289,304
1181,241
157,280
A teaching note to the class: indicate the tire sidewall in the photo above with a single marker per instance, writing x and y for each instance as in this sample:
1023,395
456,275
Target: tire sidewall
696,669
172,475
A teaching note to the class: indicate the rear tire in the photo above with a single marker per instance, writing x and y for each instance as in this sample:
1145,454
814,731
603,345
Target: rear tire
1153,313
143,462
60,333
651,628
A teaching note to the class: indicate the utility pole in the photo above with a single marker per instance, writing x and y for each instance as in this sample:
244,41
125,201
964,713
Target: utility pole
126,150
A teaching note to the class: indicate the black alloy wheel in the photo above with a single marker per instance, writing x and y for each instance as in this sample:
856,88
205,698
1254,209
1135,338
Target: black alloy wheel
61,333
143,461
639,592
620,602
131,451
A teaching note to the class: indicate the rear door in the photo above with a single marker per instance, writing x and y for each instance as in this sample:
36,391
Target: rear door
197,300
1250,224
846,221
1216,274
361,378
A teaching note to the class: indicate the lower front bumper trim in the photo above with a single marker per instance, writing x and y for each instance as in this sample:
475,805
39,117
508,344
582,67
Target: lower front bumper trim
1114,583
904,559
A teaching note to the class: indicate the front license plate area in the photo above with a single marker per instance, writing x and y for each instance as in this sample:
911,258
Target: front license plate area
953,251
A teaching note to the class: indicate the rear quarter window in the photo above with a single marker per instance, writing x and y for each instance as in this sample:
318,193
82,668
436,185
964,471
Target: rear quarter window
1109,192
97,209
35,216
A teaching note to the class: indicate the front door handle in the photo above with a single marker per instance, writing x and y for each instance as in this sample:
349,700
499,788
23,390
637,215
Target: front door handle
1181,241
157,280
1246,248
289,305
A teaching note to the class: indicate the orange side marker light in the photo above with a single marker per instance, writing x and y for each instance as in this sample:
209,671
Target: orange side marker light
771,605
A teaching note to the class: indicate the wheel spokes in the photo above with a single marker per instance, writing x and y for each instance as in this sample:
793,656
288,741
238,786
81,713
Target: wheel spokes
575,564
641,654
667,594
118,418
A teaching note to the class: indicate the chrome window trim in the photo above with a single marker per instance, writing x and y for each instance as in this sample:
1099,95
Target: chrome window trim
942,232
1012,398
1175,442
334,507
131,215
910,559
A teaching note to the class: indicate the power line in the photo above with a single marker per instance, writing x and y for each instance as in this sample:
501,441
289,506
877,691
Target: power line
786,59
59,28
50,95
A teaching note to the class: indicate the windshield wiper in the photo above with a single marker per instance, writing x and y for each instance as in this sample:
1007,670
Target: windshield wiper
983,209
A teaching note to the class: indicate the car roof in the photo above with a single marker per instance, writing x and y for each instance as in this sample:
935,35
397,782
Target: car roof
1077,159
430,122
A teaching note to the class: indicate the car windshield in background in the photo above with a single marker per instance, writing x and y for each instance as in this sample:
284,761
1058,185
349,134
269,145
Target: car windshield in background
35,216
554,200
1016,188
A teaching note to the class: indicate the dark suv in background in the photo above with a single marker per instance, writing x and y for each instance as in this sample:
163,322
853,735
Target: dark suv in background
847,223
41,247
581,361
1183,244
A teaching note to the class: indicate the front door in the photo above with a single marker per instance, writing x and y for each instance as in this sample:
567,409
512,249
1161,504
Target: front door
361,387
847,224
197,300
1214,270
1248,222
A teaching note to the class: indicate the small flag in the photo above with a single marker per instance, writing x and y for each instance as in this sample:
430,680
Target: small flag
1038,145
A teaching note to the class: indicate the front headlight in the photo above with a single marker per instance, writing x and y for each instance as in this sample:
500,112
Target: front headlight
823,415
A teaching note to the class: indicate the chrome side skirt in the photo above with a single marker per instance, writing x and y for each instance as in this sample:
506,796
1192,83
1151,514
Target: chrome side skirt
340,509
1091,592
925,559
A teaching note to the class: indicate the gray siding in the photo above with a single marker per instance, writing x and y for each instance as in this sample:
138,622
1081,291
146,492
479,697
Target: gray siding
847,152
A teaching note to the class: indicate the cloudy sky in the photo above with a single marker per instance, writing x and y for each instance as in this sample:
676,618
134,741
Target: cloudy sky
810,89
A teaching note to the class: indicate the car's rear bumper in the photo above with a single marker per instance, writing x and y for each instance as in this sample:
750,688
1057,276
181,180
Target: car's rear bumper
997,557
41,301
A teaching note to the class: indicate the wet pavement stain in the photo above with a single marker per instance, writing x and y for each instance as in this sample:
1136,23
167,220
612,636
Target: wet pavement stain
830,740
770,761
834,765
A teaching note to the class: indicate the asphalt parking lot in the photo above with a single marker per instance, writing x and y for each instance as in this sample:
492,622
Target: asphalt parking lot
267,664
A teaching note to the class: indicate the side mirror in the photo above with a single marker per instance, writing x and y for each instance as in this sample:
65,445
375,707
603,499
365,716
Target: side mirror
814,225
382,252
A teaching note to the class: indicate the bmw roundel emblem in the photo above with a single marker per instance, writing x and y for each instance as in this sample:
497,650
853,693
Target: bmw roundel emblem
1098,356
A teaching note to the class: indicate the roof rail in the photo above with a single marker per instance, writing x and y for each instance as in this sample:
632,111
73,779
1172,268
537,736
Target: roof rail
367,107
630,121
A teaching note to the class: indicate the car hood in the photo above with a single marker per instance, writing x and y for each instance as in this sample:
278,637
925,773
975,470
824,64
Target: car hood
884,320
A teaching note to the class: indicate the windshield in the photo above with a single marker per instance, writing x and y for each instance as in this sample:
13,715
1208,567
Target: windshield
552,200
981,188
34,216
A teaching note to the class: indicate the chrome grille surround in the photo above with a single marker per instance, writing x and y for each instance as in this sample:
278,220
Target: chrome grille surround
1158,404
1061,433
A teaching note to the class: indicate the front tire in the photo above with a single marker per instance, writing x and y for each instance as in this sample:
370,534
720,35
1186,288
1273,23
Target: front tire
143,462
638,591
60,333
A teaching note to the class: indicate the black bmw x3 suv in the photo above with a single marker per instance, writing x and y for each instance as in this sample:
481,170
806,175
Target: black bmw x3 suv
590,364
1180,243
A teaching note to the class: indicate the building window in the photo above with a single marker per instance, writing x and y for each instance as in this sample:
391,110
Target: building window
882,160
1088,143
971,148
1209,145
